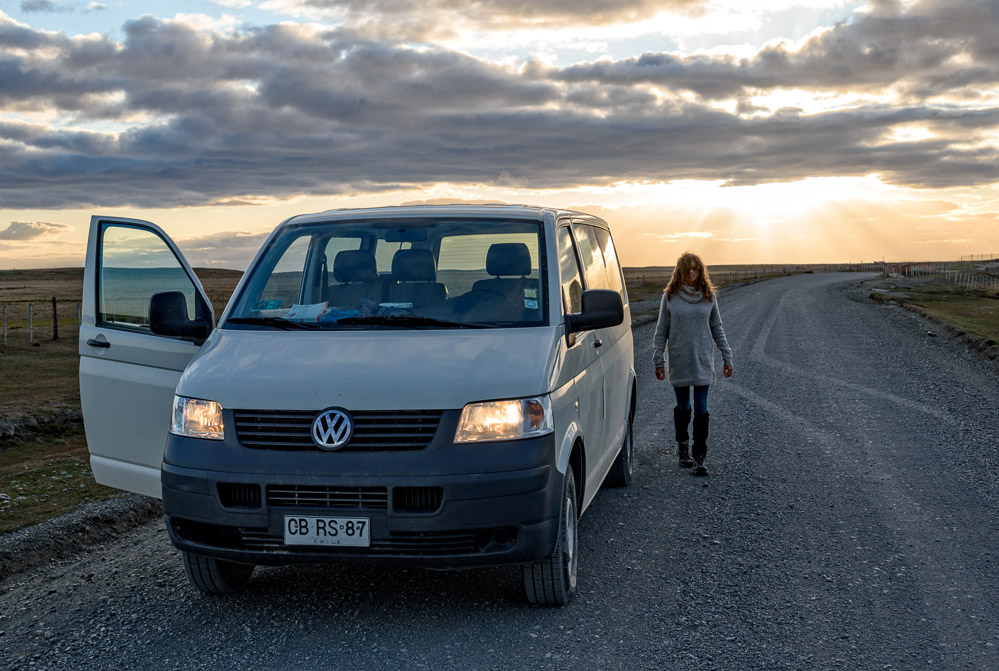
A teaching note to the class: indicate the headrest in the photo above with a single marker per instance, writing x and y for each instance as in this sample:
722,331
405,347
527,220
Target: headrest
508,258
414,265
355,265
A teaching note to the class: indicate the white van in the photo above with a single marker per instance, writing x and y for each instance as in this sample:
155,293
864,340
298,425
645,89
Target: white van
440,386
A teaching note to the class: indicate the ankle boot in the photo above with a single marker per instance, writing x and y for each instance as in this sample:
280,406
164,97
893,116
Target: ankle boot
680,420
700,449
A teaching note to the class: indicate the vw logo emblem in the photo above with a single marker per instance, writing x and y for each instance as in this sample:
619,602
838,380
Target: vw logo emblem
332,429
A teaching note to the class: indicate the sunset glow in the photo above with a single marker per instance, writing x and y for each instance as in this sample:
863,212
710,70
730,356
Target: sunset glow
800,131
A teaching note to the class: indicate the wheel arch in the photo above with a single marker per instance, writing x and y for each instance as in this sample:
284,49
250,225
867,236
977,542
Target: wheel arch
577,459
634,396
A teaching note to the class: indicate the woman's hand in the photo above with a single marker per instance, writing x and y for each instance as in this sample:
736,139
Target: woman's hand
661,373
727,371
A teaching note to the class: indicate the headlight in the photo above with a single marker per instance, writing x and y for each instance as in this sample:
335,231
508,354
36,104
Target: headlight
505,420
196,418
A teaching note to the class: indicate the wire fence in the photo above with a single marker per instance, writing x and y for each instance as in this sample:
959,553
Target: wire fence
658,276
977,272
27,322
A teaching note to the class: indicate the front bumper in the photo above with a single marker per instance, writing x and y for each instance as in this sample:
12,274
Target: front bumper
445,506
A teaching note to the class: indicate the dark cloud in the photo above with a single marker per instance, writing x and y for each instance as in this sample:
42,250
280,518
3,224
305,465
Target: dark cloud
17,36
225,240
530,10
43,6
227,248
922,52
287,110
426,19
23,231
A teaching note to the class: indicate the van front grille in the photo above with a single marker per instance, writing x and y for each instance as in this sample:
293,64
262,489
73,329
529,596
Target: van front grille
239,495
417,499
372,498
374,430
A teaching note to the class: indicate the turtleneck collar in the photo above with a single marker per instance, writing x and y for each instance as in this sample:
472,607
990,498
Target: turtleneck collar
690,294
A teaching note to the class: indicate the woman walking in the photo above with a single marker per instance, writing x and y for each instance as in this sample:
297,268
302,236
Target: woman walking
689,321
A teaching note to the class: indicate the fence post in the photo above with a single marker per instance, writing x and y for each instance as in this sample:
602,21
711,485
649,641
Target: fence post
55,320
79,315
31,325
5,325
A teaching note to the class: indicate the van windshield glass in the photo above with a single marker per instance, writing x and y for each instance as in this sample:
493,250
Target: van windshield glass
427,273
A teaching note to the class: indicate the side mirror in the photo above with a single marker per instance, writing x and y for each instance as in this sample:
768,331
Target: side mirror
602,308
168,316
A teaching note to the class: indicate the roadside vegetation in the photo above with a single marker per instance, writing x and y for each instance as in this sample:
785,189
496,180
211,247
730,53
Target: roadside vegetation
46,476
974,311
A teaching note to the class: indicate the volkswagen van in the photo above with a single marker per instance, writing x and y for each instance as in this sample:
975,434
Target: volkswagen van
443,387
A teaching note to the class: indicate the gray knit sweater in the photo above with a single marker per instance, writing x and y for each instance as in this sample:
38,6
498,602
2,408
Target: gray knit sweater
687,325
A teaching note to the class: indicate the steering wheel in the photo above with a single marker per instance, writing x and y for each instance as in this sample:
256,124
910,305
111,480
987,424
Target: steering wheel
479,300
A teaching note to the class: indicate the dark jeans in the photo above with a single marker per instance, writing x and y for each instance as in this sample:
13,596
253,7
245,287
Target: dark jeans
700,399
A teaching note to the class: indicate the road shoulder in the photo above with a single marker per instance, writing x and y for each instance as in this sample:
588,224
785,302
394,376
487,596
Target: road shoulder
72,532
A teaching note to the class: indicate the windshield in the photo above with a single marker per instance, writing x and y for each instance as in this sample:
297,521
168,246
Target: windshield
398,273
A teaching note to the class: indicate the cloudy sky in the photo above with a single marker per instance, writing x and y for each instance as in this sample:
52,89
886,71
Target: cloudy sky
750,131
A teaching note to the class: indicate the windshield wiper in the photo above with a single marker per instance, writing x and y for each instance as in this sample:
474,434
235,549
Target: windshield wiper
412,321
276,322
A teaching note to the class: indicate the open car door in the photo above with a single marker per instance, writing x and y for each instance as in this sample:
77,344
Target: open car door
128,373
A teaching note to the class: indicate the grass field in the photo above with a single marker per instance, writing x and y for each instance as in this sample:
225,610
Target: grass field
978,314
975,311
44,477
39,376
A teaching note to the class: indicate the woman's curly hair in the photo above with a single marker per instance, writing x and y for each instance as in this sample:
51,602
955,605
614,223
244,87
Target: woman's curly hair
685,264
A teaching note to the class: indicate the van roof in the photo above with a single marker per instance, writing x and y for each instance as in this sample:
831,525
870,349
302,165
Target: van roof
447,210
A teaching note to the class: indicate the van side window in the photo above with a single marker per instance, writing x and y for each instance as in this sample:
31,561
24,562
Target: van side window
614,275
569,275
135,264
592,257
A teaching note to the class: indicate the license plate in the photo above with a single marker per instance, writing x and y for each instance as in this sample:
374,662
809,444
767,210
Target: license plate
337,531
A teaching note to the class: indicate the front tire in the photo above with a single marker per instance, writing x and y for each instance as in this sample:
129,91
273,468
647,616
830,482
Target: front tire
552,581
215,576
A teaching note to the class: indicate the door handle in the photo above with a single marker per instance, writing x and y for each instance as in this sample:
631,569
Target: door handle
598,343
98,343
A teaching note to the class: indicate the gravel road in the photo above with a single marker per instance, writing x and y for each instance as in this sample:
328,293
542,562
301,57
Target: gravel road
849,523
